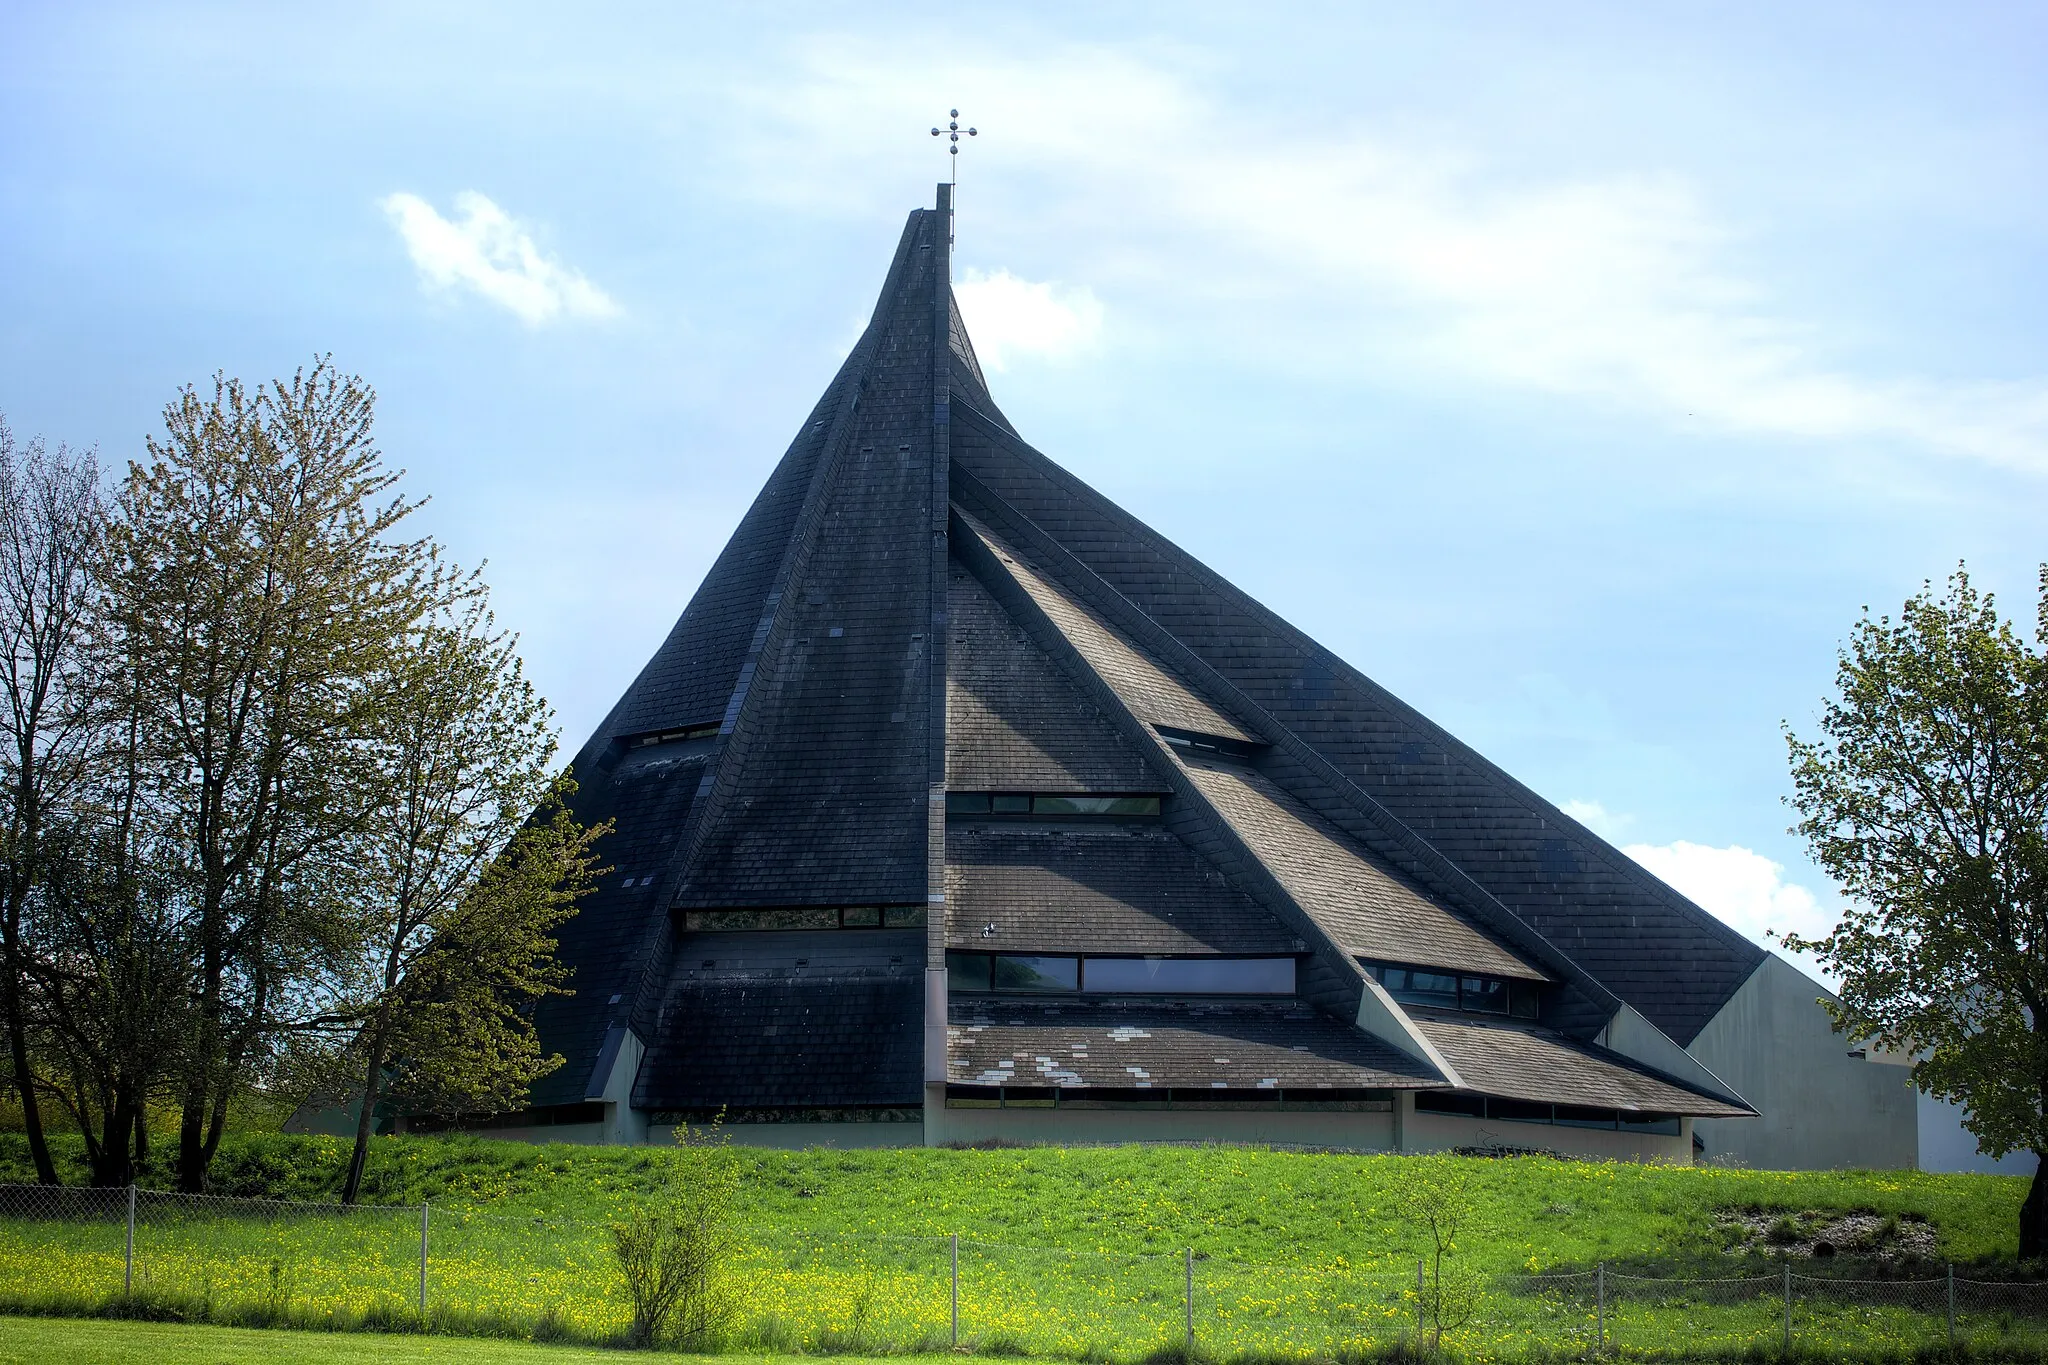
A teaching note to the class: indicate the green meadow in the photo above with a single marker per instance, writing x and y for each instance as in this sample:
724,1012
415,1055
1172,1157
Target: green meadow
1075,1253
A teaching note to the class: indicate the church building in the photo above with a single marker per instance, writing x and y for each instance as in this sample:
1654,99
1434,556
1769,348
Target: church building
961,806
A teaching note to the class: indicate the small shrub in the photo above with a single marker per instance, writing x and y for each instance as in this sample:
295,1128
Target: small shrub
1784,1232
552,1325
675,1252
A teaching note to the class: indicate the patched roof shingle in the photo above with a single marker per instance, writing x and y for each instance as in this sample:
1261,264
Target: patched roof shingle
1159,1045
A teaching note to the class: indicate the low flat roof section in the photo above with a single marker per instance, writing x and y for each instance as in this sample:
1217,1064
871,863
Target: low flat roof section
1528,1063
1127,1045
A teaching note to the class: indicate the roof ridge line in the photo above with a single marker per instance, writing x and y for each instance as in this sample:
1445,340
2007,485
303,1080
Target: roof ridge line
722,761
1519,931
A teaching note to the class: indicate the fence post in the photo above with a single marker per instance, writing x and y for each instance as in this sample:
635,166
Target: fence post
1190,1300
1600,1308
1951,1307
424,1206
956,1288
128,1257
1788,1309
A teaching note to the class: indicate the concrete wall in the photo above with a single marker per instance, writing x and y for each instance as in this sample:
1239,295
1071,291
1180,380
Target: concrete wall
1371,1131
1818,1107
1426,1132
796,1136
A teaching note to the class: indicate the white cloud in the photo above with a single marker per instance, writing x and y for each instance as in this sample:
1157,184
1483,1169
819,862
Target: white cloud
1008,317
1596,817
1742,888
1381,248
488,251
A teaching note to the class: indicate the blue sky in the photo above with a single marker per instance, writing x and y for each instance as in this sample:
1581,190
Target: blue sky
1577,371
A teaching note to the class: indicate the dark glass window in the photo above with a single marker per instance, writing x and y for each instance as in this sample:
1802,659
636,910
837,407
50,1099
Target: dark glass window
1483,994
860,916
1663,1125
1438,1102
1095,805
1414,986
1519,1111
967,971
1037,974
1577,1116
1441,990
1062,804
1190,975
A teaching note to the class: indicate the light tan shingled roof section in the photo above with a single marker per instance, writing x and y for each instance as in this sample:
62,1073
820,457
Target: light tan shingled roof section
1369,912
1152,693
1520,1064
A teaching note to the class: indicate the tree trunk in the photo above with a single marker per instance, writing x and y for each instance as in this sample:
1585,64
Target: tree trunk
373,1077
25,1082
111,1167
2034,1214
17,1044
192,1141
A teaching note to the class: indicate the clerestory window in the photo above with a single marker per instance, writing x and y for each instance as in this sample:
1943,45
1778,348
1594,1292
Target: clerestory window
1037,973
1052,805
1439,989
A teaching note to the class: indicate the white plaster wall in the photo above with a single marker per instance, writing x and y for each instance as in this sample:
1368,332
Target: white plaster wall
1426,1132
1818,1107
1371,1131
1945,1145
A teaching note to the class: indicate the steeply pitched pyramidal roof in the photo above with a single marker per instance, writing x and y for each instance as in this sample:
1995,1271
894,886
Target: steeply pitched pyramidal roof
937,696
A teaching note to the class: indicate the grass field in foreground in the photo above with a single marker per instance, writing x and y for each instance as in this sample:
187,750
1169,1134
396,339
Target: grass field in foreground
73,1341
1074,1252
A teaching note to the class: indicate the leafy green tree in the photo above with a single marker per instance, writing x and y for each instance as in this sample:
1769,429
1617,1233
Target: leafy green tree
52,522
256,598
1927,799
461,899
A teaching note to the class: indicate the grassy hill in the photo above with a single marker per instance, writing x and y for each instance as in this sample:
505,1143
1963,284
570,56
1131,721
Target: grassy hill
1236,1203
1070,1252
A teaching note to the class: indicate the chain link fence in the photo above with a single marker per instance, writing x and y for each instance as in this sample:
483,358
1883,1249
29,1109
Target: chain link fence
261,1262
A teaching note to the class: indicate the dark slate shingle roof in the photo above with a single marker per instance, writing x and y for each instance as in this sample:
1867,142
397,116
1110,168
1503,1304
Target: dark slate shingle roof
756,1029
1132,888
1156,1045
1014,721
1672,961
852,674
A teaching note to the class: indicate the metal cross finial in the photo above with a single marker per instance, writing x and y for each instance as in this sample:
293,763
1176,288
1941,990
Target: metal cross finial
952,134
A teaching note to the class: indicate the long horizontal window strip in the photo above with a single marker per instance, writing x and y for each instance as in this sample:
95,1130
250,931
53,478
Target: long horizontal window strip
709,730
805,917
1060,974
1440,989
1536,1111
1165,1097
787,1114
1053,805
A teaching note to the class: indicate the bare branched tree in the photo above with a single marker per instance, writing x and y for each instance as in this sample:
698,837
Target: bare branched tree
52,523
